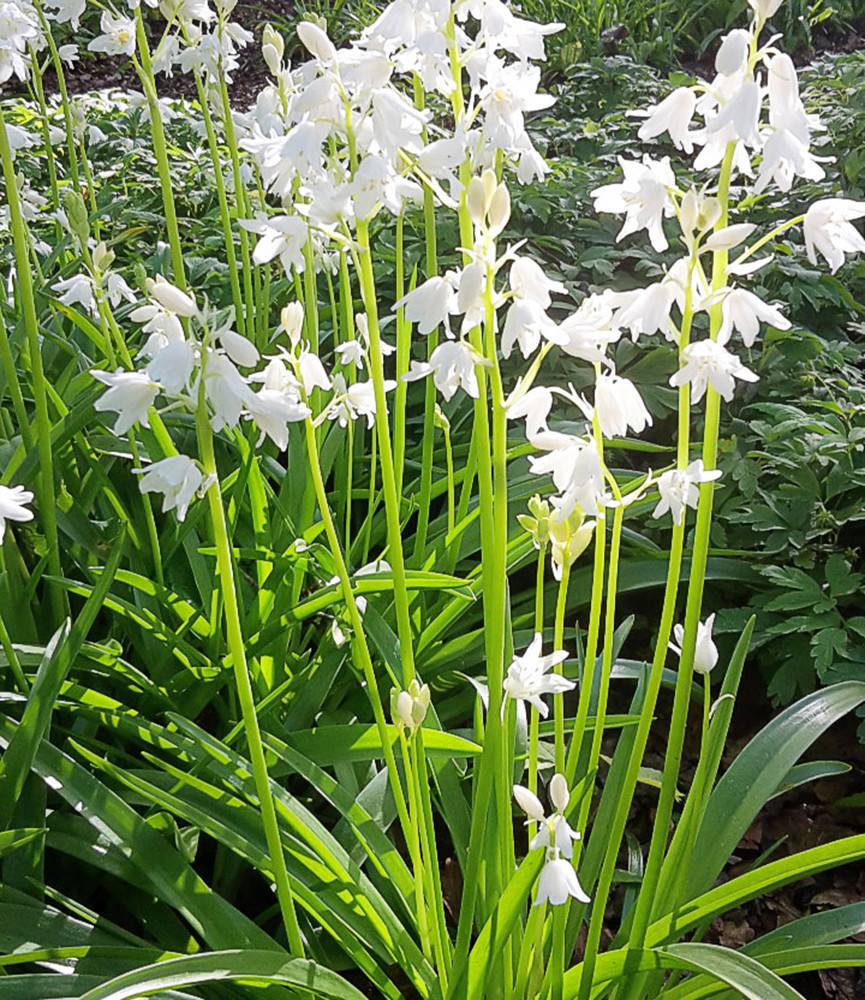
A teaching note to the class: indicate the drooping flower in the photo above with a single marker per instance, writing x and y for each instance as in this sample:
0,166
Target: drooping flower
283,236
828,230
77,290
178,478
13,506
705,650
732,52
679,489
558,880
529,679
130,395
743,311
430,304
452,366
673,115
619,406
643,196
709,363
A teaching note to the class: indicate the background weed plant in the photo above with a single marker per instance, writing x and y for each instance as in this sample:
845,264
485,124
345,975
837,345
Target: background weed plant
338,435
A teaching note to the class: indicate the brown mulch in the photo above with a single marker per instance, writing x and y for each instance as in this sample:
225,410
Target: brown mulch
99,73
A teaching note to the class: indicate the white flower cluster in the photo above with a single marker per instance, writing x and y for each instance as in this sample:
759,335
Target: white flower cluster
19,29
558,882
188,356
200,38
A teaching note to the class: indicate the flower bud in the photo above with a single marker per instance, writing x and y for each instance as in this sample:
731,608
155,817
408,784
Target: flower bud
291,320
272,48
689,212
559,794
409,708
440,420
529,803
710,212
103,258
476,201
170,297
730,236
499,210
76,214
538,524
316,42
490,183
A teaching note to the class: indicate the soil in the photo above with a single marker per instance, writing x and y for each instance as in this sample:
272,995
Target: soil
92,73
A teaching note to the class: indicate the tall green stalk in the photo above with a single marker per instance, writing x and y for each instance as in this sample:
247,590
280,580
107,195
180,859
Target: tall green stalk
27,305
144,68
243,683
646,900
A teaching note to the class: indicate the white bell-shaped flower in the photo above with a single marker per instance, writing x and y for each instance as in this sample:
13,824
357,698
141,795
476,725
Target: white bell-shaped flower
709,363
828,230
177,478
13,506
130,395
705,650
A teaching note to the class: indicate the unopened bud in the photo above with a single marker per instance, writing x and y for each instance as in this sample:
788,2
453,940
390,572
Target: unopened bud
476,201
272,48
170,297
103,258
559,793
710,212
689,211
316,42
408,708
440,420
500,210
490,183
291,320
76,214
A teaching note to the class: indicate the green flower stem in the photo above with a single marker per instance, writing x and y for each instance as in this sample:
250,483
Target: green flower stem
414,848
647,713
12,657
222,197
442,942
243,683
558,643
360,646
646,899
147,507
587,678
751,250
144,68
596,924
403,354
535,717
451,485
248,319
556,968
14,386
91,188
65,104
428,441
349,482
388,476
27,306
46,128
